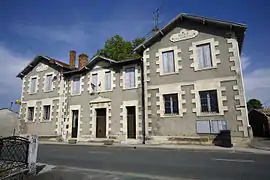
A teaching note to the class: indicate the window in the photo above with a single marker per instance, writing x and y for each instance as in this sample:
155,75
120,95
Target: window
76,85
203,126
171,104
94,81
130,77
209,102
204,56
48,82
33,85
168,62
46,112
108,80
30,114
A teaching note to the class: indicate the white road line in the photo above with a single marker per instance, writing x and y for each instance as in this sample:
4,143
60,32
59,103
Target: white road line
236,160
98,152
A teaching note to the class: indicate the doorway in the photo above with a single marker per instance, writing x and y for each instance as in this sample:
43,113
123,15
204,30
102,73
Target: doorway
131,122
101,123
75,118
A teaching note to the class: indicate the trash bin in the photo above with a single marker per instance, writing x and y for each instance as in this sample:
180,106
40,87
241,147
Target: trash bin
223,139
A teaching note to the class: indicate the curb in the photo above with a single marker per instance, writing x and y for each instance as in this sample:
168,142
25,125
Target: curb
130,146
259,147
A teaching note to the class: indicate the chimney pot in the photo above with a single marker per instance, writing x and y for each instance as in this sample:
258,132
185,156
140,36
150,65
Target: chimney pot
83,59
72,58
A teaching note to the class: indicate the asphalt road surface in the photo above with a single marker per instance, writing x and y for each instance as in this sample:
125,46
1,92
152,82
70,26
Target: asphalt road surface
143,163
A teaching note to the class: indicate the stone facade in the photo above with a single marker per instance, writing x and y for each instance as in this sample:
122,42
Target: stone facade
186,82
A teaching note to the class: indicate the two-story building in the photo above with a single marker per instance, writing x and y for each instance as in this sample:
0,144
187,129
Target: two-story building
188,83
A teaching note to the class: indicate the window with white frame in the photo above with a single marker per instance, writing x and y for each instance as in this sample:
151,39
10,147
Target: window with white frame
130,77
48,82
108,80
30,115
76,85
94,83
46,112
168,62
33,85
204,56
209,101
171,103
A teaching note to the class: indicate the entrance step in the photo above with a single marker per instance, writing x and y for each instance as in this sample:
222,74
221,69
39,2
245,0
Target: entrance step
72,141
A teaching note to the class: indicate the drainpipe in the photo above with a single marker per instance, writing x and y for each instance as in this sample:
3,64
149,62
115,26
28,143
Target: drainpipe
143,102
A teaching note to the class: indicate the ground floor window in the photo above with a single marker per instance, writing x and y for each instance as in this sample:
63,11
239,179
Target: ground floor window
171,103
30,116
209,101
46,112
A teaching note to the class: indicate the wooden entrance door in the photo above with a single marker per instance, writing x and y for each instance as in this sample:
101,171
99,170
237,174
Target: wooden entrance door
131,122
101,123
75,117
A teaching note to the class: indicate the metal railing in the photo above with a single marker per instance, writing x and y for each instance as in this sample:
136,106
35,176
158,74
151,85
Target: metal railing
14,152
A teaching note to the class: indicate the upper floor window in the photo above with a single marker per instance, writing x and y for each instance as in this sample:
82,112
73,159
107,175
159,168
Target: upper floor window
94,82
130,77
33,85
168,62
30,115
48,82
46,112
108,80
209,101
171,103
204,56
76,85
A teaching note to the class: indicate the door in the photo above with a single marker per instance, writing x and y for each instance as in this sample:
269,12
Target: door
75,118
131,122
101,123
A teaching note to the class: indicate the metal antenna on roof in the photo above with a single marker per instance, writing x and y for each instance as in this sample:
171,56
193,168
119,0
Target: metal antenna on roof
156,20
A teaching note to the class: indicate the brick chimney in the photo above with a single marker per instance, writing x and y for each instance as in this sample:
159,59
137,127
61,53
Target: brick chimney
72,58
83,59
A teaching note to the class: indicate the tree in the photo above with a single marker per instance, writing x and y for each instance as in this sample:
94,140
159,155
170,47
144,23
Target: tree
117,48
254,104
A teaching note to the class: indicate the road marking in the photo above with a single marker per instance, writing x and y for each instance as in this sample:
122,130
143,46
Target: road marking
98,152
236,160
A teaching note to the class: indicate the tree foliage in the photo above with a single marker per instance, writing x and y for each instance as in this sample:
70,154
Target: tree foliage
117,48
254,104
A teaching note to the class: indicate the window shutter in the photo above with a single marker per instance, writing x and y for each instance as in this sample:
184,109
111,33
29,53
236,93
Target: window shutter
207,55
127,79
214,101
171,62
108,80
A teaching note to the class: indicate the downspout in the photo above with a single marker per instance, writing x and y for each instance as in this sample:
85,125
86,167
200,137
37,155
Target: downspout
143,101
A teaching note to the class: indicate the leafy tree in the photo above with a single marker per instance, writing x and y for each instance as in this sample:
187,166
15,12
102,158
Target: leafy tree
254,104
118,49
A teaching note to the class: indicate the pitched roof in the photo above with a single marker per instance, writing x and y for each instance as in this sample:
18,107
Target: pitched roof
40,58
237,27
9,110
96,59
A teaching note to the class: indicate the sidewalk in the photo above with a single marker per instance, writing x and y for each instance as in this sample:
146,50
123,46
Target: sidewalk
167,146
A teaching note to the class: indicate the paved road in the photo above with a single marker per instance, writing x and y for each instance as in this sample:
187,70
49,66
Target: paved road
155,163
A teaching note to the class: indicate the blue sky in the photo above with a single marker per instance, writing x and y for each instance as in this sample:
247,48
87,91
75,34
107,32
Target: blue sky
54,27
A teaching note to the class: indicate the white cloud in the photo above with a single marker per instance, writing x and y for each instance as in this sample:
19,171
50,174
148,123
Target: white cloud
72,34
257,82
11,65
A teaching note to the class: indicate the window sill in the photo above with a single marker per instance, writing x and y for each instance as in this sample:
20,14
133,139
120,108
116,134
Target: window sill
48,91
168,74
171,115
208,68
75,94
46,121
130,88
33,93
210,114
